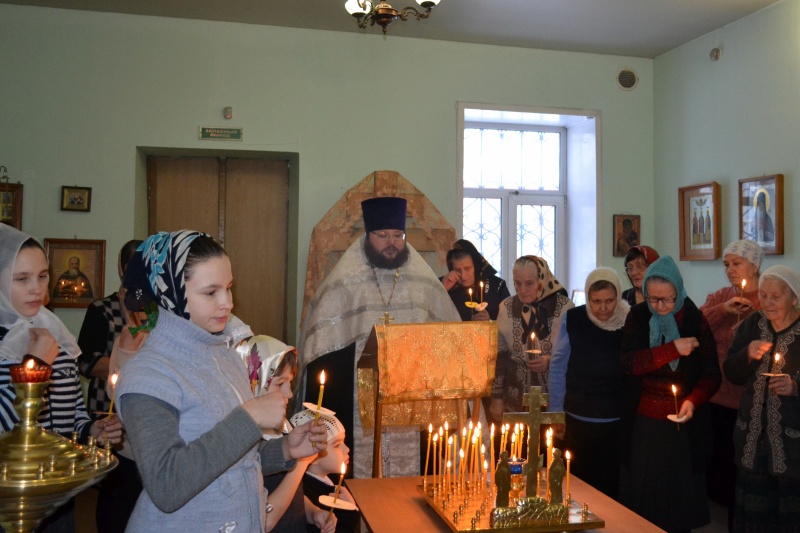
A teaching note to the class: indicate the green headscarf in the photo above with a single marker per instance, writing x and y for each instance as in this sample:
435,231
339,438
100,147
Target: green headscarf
664,325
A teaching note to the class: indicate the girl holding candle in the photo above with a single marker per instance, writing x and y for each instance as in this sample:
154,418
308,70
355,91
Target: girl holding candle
27,328
317,481
190,416
289,510
767,432
667,341
539,306
724,309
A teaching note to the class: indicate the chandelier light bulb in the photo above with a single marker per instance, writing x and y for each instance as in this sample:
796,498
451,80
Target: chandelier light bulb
355,9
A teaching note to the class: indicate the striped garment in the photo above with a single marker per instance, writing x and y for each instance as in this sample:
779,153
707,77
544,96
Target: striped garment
64,410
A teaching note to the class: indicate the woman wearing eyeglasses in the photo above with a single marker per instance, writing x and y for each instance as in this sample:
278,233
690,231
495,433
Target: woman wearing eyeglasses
667,342
637,260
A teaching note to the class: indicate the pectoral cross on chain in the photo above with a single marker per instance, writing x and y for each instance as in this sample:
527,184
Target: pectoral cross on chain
387,318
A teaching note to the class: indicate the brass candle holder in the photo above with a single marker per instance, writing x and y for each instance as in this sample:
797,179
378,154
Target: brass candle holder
41,470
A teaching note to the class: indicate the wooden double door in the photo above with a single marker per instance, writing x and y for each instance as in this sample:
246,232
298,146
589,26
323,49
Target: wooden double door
244,204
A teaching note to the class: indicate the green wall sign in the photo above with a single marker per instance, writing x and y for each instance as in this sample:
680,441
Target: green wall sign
221,134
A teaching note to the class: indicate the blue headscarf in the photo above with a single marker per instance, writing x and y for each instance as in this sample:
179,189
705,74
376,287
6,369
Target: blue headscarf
664,325
160,267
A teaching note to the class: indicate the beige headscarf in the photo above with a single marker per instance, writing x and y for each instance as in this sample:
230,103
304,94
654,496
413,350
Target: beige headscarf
617,320
15,343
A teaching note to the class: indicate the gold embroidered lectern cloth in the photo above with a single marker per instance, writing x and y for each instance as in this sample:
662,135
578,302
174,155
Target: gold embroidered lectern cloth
424,368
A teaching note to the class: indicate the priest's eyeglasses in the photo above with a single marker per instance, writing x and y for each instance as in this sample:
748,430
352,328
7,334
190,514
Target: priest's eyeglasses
389,235
666,301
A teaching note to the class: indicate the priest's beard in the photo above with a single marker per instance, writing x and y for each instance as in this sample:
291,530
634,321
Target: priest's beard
377,260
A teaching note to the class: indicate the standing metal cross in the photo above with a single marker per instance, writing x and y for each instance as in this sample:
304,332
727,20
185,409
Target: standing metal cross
534,418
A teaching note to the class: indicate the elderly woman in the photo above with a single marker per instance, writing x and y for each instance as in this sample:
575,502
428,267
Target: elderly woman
538,308
636,262
767,433
667,343
587,382
724,310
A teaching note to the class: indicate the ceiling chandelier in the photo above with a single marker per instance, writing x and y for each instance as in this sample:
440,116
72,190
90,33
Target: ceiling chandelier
368,13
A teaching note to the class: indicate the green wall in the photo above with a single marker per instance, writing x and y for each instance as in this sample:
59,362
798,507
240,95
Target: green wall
728,120
82,91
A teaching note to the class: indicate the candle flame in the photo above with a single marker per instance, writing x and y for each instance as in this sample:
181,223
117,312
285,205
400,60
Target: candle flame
549,432
470,291
471,425
492,429
446,427
464,432
461,453
29,364
777,357
483,448
485,464
435,437
441,431
344,467
113,379
567,455
430,428
450,440
533,336
322,378
481,285
674,390
744,282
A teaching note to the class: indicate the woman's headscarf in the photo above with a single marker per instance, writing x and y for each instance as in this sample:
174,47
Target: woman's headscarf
649,254
15,343
617,320
548,286
483,269
156,272
665,325
785,274
747,250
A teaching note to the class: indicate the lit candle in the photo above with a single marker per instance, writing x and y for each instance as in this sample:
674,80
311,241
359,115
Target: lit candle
502,437
470,294
319,401
739,307
778,366
441,454
336,493
486,469
533,338
447,455
461,465
113,390
675,395
568,457
491,453
514,446
427,454
481,292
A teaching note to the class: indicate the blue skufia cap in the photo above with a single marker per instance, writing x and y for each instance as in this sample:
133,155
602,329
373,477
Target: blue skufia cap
386,212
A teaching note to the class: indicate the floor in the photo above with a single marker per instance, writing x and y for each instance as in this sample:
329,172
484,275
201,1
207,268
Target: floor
85,503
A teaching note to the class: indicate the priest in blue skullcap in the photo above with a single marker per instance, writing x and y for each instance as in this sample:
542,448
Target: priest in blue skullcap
380,279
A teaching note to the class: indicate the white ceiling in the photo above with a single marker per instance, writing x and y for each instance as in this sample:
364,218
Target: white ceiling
639,28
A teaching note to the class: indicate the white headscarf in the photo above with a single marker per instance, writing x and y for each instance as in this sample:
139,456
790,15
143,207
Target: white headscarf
15,343
617,320
785,274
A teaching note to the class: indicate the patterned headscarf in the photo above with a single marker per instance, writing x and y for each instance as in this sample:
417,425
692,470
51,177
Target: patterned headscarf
665,325
548,284
15,342
163,262
746,249
617,320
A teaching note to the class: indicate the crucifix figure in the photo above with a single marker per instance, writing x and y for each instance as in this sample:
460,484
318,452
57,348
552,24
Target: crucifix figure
534,418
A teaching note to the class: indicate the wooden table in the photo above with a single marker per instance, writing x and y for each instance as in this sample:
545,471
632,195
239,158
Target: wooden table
394,504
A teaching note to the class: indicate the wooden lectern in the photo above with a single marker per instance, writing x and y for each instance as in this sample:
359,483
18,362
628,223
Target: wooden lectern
414,374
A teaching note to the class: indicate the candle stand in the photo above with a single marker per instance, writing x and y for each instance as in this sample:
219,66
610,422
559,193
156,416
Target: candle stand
41,470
